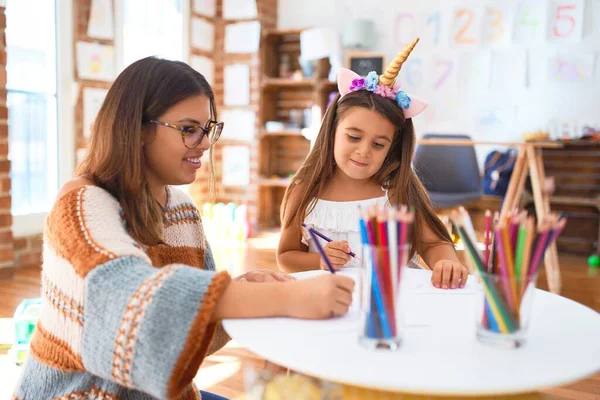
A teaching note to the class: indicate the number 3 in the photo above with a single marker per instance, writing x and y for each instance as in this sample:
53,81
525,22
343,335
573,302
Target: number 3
562,16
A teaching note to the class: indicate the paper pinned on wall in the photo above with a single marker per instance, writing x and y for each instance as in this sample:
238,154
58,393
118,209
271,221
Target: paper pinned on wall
464,26
203,34
510,69
239,124
207,8
92,101
566,19
236,166
497,24
476,70
80,155
205,66
100,25
239,9
570,67
243,37
529,21
442,71
237,85
95,61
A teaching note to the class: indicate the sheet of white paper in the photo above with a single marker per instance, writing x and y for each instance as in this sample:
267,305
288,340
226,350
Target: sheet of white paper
208,8
236,166
239,124
475,70
497,23
100,25
570,67
465,25
239,9
243,37
510,69
205,66
443,71
95,61
80,154
203,34
529,21
92,101
566,19
237,85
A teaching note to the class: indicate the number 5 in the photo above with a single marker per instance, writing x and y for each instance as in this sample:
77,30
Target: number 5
562,16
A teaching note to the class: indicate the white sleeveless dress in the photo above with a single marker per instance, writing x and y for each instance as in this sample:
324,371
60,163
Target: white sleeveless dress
338,220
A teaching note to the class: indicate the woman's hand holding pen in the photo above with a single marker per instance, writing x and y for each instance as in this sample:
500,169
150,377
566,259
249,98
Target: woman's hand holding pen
320,297
338,254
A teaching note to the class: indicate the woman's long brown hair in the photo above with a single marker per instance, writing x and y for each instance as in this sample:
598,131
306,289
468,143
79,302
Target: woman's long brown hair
115,159
396,173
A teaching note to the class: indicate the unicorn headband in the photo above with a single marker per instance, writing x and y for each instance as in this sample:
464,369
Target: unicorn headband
384,85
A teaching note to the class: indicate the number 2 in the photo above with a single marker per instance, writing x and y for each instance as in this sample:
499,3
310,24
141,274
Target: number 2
461,34
561,16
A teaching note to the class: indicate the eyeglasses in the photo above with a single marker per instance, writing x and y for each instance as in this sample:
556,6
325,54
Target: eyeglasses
192,135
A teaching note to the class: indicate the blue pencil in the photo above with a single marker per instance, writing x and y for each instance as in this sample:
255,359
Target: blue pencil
375,285
319,234
312,233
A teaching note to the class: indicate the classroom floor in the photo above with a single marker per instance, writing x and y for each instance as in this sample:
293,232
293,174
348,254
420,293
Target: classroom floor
224,372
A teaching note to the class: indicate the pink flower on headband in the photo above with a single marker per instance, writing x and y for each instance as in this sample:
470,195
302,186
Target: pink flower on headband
385,91
357,84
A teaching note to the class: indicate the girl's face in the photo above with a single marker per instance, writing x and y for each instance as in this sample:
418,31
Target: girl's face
362,141
168,160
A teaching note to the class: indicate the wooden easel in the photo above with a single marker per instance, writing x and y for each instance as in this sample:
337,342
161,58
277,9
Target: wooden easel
529,160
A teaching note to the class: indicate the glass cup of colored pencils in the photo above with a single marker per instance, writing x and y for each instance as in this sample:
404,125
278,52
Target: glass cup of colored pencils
508,270
384,256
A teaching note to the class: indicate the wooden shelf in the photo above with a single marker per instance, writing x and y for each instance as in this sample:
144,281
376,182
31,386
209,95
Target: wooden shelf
282,152
282,32
274,182
292,133
272,83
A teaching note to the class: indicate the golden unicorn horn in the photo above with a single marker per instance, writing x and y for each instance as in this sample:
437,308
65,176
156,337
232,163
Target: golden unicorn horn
391,72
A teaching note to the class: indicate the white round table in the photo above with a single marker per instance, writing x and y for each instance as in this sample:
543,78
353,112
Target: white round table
440,354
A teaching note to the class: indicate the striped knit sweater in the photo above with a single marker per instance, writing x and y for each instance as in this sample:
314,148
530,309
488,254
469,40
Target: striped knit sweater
119,320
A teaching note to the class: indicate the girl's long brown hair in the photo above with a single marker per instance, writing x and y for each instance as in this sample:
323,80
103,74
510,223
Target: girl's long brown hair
115,159
396,173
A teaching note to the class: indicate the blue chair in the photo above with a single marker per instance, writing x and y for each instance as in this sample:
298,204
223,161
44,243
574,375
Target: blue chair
449,173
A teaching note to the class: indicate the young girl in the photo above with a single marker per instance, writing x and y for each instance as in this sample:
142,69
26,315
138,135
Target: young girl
131,299
362,157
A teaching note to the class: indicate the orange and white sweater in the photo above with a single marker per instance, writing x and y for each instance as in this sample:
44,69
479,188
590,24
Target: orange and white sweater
119,320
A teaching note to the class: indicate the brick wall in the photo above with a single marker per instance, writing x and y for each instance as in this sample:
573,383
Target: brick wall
6,238
267,16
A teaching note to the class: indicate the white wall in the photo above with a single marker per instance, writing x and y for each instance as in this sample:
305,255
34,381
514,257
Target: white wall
539,105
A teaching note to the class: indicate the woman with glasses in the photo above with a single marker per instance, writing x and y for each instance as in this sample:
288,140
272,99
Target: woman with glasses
131,298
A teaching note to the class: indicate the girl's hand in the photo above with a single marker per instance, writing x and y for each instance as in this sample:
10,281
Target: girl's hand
264,275
449,274
324,296
337,252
